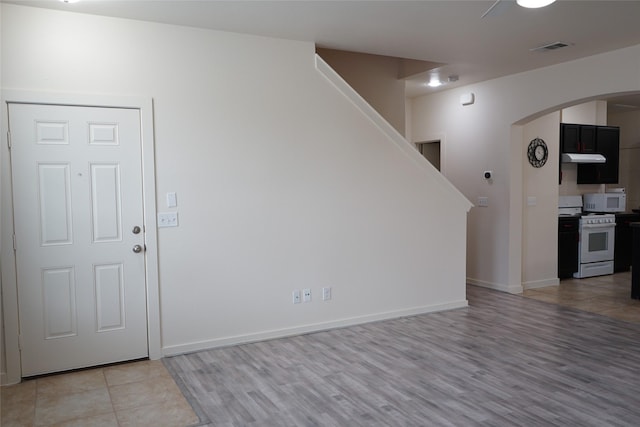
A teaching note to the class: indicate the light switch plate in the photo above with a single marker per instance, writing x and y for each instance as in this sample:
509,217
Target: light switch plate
483,202
167,219
172,200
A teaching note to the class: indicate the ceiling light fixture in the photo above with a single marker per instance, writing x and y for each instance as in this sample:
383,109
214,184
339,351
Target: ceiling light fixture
533,4
69,1
434,82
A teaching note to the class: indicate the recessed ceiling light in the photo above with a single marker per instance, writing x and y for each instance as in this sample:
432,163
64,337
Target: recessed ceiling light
69,1
434,82
532,4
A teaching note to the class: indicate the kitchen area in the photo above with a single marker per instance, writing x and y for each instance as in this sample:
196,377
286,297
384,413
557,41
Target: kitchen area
597,204
599,222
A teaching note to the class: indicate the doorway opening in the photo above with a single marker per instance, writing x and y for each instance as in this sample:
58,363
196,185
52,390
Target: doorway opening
431,151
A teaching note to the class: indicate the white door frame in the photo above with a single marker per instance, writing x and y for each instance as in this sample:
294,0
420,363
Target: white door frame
441,137
7,255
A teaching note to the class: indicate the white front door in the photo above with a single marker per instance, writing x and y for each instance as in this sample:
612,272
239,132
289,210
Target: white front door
78,215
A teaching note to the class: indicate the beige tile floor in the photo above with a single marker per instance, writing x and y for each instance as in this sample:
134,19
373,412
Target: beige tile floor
140,393
606,295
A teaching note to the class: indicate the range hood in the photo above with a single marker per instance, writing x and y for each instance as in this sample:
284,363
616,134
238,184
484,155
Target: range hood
583,158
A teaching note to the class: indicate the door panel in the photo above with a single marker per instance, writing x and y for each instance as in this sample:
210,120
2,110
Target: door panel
54,189
105,203
109,297
77,188
59,302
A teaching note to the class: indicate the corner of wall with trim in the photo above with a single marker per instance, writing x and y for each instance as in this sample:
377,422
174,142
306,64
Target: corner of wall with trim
3,357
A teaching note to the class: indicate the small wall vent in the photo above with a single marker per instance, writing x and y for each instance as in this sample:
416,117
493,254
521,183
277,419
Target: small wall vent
550,46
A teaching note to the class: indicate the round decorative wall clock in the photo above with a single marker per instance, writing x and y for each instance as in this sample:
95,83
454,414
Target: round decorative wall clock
537,153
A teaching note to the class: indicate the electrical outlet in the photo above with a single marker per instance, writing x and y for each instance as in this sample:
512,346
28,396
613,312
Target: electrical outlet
296,296
306,295
326,294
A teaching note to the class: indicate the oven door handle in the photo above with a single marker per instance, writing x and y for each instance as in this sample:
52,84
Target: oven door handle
601,226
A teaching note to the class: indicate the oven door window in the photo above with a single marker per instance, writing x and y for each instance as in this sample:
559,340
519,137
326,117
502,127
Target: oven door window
598,241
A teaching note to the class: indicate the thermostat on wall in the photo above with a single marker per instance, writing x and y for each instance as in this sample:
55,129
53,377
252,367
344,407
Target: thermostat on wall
467,98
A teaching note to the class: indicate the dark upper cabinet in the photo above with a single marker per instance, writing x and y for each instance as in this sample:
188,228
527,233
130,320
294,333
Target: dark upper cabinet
608,144
578,138
569,137
588,139
607,140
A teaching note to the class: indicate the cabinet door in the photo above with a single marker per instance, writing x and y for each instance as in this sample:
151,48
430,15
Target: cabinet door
577,138
567,247
587,142
569,137
608,144
623,249
588,173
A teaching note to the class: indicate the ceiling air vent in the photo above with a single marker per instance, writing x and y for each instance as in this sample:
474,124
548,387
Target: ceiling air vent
550,46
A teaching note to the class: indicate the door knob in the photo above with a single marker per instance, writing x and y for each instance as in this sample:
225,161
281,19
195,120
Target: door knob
136,230
137,249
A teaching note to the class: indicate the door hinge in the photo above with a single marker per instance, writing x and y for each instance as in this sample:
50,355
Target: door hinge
15,244
9,139
20,345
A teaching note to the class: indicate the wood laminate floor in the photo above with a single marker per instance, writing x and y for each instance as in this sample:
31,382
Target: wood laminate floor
503,361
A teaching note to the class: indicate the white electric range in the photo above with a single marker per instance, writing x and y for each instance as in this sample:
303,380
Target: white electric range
596,237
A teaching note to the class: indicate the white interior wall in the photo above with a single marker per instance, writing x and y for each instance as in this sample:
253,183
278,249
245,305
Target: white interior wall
282,182
408,116
3,357
482,136
629,123
539,204
375,78
586,113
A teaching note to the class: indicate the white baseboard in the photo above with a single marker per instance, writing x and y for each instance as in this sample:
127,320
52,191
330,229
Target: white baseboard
175,350
534,284
512,289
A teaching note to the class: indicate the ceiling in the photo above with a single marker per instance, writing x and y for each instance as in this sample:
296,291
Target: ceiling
451,32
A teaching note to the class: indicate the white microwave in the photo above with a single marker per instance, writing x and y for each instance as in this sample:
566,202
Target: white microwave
604,202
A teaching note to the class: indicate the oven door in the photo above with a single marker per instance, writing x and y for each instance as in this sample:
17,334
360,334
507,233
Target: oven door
596,242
